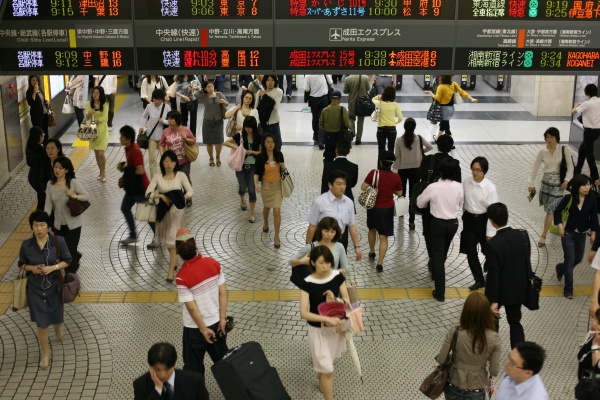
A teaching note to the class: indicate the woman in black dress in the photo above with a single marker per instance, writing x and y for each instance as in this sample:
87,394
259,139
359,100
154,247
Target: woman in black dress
38,105
36,158
42,262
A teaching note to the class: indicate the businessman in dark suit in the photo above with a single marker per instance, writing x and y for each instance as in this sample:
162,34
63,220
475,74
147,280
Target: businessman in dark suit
508,263
341,163
164,382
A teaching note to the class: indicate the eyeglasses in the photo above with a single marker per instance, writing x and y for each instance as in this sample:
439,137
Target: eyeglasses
476,170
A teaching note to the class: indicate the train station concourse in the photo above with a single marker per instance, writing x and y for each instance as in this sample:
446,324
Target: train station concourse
125,304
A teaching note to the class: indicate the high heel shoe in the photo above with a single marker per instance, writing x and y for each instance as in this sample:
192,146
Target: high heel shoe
265,230
277,246
244,207
45,361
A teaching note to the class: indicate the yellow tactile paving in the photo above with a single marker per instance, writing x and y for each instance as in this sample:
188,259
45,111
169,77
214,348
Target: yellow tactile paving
163,297
369,294
289,295
452,293
266,295
4,307
419,293
6,297
112,297
390,294
6,287
137,297
586,290
240,295
88,297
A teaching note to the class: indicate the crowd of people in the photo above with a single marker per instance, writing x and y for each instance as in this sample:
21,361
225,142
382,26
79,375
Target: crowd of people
320,267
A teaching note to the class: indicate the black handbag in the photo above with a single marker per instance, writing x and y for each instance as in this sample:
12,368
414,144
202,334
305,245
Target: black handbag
345,133
364,106
144,138
434,115
563,166
534,282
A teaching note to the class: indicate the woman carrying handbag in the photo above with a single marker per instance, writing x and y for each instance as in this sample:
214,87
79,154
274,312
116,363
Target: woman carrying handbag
251,141
97,111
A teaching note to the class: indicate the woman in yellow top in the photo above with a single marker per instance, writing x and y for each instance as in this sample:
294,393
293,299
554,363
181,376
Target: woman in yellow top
444,95
390,116
97,108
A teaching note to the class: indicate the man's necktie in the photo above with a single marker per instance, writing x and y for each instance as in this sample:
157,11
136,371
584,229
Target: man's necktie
168,391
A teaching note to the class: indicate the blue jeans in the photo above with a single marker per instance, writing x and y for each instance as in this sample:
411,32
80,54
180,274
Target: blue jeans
274,130
452,393
573,244
128,202
245,179
195,347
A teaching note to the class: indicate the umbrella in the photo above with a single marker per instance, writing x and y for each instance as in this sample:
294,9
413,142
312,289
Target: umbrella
353,353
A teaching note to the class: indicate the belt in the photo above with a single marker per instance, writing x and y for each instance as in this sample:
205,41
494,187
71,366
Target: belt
476,215
442,219
248,166
466,390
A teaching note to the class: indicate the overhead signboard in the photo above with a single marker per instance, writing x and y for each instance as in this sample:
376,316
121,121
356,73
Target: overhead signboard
67,36
293,36
217,36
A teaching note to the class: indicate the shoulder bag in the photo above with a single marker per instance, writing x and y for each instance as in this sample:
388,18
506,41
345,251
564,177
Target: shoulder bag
364,106
345,133
230,129
191,150
420,188
534,282
71,285
369,194
77,207
456,96
564,216
51,117
144,138
68,105
146,210
20,291
434,115
223,107
376,115
434,383
236,158
563,166
287,185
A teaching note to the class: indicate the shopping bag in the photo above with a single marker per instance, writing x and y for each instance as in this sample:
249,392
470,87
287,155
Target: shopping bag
401,206
20,291
68,105
434,115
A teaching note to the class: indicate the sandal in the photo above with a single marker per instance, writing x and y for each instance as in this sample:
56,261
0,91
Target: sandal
218,162
244,206
211,162
542,244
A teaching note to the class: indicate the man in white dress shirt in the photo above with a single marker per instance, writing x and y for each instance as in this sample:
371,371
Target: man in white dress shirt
480,193
316,88
521,380
445,198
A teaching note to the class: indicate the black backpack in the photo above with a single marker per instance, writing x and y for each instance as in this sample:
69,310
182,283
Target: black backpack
420,188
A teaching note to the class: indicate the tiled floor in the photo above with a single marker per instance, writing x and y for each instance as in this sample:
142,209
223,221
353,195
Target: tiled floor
127,305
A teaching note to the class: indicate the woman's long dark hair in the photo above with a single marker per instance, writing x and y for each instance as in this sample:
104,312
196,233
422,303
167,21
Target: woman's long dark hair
263,151
66,164
386,160
58,145
250,122
173,157
476,318
34,136
577,182
409,132
102,98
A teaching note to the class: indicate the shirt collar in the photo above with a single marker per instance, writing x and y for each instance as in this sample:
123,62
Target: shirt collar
331,197
502,227
339,157
523,386
172,380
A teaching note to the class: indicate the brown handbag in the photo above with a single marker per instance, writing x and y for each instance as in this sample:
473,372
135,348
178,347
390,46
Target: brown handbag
70,282
434,383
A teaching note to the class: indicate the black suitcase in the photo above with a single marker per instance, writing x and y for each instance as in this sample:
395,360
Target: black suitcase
245,374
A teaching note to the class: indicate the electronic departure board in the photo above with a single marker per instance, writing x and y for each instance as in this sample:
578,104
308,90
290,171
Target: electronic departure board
67,36
366,9
202,9
292,36
532,10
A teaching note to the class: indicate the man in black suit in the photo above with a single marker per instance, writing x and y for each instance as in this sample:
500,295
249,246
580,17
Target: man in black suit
163,381
508,263
341,163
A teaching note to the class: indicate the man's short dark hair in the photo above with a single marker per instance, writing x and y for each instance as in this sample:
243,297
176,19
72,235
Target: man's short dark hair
336,174
533,356
445,143
498,213
128,133
175,115
186,249
483,163
163,353
343,147
591,90
158,94
448,168
39,216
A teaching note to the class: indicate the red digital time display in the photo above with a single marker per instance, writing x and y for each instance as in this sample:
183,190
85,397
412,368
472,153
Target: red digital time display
68,9
203,9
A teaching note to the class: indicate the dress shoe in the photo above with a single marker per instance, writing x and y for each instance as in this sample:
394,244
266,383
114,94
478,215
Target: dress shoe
372,256
153,245
358,142
129,240
477,285
321,147
411,227
379,268
440,299
560,271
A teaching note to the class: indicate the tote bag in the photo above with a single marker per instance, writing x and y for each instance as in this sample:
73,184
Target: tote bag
145,211
236,157
68,105
401,206
434,115
20,292
369,194
287,185
230,129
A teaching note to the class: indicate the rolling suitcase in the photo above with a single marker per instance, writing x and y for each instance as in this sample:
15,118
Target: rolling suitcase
245,374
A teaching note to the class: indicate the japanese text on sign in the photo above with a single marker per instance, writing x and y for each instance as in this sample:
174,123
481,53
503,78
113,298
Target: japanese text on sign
70,8
379,9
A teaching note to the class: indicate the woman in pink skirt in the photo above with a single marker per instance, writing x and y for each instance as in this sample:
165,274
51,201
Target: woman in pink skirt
323,284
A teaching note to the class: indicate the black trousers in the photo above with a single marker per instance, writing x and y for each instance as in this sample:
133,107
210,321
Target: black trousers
586,152
317,104
473,233
513,317
71,237
110,98
442,232
410,176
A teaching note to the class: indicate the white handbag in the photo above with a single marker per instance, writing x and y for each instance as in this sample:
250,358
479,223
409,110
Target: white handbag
236,158
376,115
68,105
146,211
287,185
401,206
